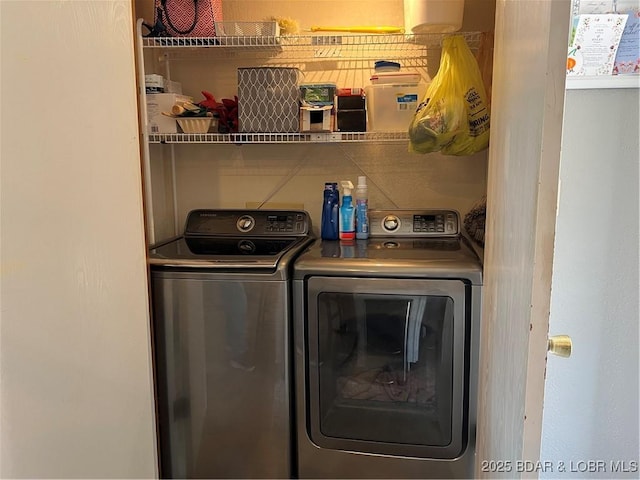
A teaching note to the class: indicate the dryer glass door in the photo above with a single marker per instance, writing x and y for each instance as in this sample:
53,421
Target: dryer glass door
387,365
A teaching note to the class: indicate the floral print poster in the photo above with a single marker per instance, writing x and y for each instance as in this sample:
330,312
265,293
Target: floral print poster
595,44
628,56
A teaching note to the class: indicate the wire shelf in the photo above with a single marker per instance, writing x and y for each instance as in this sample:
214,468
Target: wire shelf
377,42
343,59
314,48
308,137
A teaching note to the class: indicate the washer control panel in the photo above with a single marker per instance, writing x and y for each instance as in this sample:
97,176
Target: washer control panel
286,222
247,222
414,223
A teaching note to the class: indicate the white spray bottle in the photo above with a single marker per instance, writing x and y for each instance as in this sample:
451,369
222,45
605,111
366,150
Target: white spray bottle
362,209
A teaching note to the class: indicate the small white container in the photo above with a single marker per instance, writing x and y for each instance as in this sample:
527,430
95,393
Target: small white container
386,66
433,16
391,107
154,83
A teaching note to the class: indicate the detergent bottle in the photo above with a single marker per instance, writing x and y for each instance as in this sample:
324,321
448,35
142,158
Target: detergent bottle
362,209
347,213
330,206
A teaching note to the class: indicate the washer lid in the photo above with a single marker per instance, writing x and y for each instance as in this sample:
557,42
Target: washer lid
227,253
232,239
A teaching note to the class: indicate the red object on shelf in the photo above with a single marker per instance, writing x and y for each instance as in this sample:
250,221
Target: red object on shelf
226,111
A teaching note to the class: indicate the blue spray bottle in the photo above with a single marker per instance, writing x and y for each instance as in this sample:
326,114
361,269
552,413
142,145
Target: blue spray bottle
347,213
330,206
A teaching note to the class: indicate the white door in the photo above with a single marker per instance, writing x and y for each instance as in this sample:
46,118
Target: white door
591,412
77,395
527,108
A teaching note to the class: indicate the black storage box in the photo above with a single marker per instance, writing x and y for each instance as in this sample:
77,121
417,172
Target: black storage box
350,102
351,120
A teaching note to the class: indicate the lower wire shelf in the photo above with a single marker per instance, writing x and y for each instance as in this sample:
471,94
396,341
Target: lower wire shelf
306,137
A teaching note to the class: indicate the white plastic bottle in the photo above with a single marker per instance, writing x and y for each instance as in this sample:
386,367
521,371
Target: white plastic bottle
362,209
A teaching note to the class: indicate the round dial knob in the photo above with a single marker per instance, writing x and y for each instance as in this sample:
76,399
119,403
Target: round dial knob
245,223
390,223
246,246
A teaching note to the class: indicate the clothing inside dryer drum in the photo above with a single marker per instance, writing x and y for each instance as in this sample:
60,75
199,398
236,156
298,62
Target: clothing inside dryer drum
386,367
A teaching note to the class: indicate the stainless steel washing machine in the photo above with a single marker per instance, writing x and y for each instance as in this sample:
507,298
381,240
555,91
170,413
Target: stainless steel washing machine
221,329
386,335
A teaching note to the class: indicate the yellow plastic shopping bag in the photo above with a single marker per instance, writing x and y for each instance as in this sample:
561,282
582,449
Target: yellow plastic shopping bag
453,117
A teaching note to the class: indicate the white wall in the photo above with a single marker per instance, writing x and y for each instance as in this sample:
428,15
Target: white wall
76,395
591,409
231,176
478,14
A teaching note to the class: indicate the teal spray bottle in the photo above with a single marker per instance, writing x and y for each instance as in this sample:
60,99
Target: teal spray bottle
347,213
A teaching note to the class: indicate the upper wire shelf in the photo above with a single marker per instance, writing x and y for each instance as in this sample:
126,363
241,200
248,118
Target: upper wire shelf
314,41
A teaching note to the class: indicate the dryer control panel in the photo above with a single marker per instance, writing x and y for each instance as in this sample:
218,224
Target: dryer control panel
414,223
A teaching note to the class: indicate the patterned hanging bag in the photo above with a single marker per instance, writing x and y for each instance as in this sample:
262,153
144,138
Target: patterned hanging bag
187,18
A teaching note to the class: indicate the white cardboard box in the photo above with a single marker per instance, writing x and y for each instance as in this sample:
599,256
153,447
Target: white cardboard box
316,118
162,102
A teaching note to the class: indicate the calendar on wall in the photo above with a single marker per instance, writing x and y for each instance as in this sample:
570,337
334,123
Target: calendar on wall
604,38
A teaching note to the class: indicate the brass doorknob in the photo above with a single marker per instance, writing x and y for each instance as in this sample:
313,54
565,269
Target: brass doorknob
560,345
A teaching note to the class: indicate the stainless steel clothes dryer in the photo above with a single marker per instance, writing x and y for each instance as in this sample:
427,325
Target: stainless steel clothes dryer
386,351
221,322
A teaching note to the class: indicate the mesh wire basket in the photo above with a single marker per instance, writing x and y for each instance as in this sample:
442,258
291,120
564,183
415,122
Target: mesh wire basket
247,29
